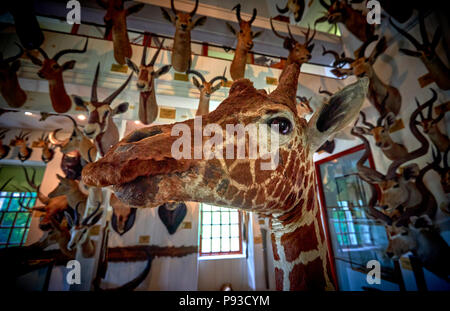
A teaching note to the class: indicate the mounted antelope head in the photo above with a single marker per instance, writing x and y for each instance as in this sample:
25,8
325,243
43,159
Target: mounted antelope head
424,240
53,72
101,127
340,11
245,38
297,7
116,21
184,23
79,230
405,195
303,107
383,97
427,53
71,165
430,124
52,207
76,142
21,142
206,89
148,107
123,217
298,53
48,151
392,150
71,189
9,84
4,149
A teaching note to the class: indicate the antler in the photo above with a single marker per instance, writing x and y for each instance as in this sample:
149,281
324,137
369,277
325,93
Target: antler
339,60
238,14
31,180
307,39
94,97
61,53
172,5
195,8
152,62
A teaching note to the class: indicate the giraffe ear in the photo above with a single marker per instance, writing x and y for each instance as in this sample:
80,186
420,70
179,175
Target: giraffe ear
240,86
340,110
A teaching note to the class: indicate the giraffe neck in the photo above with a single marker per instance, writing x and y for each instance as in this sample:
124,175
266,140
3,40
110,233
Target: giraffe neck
300,250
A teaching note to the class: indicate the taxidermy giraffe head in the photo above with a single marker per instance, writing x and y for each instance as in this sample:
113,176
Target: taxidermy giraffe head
340,11
427,53
144,172
148,108
53,72
384,97
48,151
245,38
101,127
9,84
297,7
430,125
206,89
184,23
298,53
116,22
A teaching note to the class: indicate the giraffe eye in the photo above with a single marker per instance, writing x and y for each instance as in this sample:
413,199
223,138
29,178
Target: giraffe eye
284,125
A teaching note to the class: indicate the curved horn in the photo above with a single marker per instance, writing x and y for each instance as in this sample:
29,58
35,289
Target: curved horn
368,124
364,46
431,102
195,8
56,141
255,12
195,72
6,183
152,62
13,58
276,33
43,53
94,97
117,92
282,11
144,53
238,12
325,92
307,38
61,53
222,77
172,5
411,39
86,220
423,31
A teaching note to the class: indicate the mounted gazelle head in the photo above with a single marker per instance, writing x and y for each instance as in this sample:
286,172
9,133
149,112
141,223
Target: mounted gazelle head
298,53
146,72
100,115
340,11
53,72
183,22
245,38
427,52
297,7
206,89
9,84
79,228
48,151
65,186
430,124
76,142
4,149
303,107
116,22
21,142
123,217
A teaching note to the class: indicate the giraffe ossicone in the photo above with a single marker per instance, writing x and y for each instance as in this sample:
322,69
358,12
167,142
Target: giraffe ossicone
143,172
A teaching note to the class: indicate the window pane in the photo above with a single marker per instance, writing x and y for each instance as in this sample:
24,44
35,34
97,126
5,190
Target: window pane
215,245
234,244
225,218
4,233
206,231
14,206
215,208
5,203
234,231
8,219
16,236
206,246
234,217
22,219
225,245
225,231
216,231
216,218
206,219
206,207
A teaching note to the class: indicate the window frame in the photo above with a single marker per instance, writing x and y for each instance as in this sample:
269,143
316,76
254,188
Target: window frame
220,254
